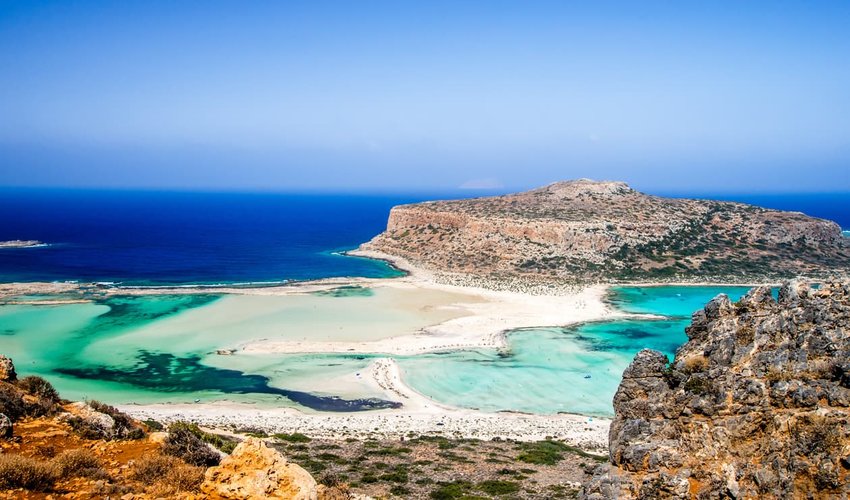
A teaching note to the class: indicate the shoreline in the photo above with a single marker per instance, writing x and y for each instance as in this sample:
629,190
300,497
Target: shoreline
420,415
489,316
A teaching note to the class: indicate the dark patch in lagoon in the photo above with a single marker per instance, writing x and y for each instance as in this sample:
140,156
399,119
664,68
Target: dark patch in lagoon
345,291
166,372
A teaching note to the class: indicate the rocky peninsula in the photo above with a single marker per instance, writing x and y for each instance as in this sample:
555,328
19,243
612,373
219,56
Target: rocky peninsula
588,231
755,405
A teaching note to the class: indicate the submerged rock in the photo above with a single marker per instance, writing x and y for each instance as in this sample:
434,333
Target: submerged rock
254,470
755,405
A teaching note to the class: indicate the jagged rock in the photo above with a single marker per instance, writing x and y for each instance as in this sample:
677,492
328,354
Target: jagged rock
7,369
755,405
254,470
5,427
587,230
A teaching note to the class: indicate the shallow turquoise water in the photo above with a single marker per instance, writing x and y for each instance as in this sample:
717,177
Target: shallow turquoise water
546,370
102,350
670,301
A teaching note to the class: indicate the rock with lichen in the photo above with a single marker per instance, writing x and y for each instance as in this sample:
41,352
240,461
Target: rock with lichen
755,405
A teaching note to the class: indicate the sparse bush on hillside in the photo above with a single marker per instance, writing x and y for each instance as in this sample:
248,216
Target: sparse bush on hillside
79,463
184,442
153,425
295,437
14,406
11,403
40,388
220,442
18,471
167,474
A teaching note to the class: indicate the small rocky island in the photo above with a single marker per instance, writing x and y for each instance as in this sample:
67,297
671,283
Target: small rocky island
21,244
585,230
755,405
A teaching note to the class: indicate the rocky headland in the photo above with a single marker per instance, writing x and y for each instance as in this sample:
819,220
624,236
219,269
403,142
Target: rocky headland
583,230
755,405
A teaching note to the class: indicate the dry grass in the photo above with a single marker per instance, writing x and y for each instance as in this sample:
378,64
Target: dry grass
79,463
167,475
18,471
695,364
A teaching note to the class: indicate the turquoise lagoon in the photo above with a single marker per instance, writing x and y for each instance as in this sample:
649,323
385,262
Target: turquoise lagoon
160,348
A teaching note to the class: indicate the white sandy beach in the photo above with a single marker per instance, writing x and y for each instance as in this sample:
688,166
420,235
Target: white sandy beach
419,416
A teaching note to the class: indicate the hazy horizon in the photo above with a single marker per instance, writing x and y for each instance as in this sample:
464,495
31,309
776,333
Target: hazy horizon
386,97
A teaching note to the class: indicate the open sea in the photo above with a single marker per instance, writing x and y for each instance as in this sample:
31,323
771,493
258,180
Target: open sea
149,349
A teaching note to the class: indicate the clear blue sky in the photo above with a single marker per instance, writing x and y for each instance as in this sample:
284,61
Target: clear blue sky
364,95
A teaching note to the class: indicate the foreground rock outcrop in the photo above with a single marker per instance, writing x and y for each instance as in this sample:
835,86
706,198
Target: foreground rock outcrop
254,470
584,230
755,405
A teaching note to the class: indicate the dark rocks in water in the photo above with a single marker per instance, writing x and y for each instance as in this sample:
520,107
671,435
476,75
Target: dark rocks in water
755,405
169,373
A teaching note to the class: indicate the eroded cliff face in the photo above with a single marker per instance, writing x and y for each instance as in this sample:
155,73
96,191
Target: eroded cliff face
755,405
585,229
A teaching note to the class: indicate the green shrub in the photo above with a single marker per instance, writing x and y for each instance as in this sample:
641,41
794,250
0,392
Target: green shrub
153,425
550,452
542,452
452,490
295,437
498,487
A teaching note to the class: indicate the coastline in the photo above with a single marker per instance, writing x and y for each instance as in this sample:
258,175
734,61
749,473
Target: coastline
486,315
419,416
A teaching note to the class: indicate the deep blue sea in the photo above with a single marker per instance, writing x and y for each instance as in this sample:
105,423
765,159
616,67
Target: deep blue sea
179,237
148,237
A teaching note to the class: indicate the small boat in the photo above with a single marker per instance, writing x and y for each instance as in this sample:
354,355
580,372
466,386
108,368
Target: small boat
587,376
197,400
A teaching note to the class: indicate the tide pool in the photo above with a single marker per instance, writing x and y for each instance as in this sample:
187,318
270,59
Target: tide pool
161,348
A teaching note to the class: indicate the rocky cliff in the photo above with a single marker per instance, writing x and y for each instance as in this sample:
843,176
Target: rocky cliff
755,405
588,230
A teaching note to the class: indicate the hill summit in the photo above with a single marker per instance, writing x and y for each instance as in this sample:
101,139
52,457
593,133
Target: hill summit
588,230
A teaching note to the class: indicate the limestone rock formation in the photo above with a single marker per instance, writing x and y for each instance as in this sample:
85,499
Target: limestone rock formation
254,470
585,230
7,369
90,416
755,405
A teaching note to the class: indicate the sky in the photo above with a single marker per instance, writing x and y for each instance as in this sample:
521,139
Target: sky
404,96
